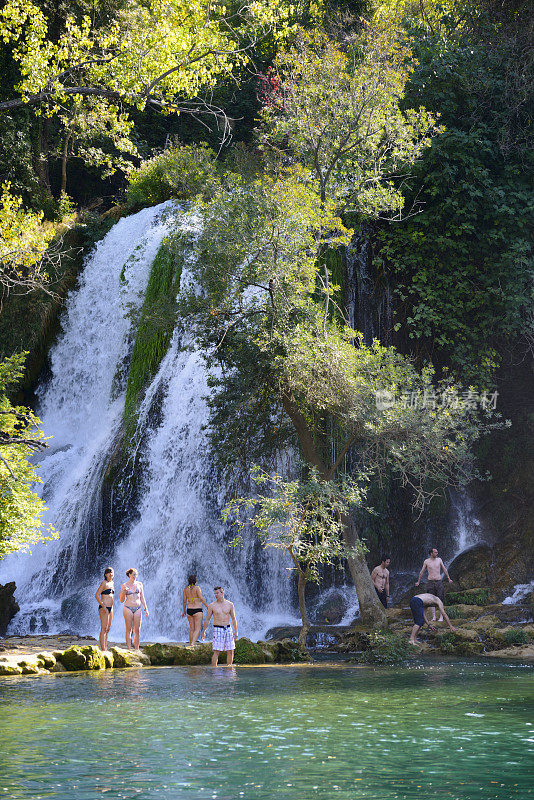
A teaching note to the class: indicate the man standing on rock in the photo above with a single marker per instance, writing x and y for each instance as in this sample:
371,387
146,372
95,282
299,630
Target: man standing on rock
380,578
417,607
222,612
434,584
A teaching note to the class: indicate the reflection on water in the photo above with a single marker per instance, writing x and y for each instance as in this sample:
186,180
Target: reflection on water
448,731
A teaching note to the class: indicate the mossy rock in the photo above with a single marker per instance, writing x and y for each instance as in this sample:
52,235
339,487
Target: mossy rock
108,659
10,669
46,660
247,652
523,653
269,651
385,647
468,597
123,659
94,657
72,658
485,623
162,655
197,655
463,611
290,652
453,643
58,667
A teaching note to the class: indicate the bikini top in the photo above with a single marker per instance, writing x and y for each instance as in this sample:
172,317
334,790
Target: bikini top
133,591
107,591
191,599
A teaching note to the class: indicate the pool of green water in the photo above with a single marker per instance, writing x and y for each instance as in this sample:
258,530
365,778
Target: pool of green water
453,731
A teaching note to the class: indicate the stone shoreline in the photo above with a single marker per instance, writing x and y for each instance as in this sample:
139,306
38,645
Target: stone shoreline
45,655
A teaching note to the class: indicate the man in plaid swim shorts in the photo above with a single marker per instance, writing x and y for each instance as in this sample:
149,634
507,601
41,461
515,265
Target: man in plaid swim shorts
224,637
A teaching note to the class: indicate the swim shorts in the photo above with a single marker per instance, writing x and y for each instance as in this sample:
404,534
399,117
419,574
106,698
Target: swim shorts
416,607
382,596
223,637
436,588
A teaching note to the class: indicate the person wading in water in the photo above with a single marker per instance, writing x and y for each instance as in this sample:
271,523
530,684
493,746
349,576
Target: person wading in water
133,597
434,584
193,602
104,596
223,612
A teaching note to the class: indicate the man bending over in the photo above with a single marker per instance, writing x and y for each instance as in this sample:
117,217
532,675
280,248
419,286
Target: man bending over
418,604
222,612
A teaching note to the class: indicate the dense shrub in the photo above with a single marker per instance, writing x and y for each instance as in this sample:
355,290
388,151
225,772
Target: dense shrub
180,172
471,597
515,636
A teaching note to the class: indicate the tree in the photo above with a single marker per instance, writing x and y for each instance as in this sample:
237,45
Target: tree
291,372
20,508
303,518
336,106
24,241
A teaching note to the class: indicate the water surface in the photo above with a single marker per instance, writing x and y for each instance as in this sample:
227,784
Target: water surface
454,731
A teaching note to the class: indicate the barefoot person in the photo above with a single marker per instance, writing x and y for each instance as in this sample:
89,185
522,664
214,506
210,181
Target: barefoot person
133,597
104,596
193,602
223,639
380,578
417,606
434,584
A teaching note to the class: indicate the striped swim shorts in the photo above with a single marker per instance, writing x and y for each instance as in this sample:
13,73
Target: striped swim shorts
223,637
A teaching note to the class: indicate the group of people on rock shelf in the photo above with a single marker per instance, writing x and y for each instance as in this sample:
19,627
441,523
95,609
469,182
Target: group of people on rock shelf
223,613
432,598
134,603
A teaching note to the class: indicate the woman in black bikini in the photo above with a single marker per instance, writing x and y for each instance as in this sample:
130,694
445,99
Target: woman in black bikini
193,602
133,597
104,595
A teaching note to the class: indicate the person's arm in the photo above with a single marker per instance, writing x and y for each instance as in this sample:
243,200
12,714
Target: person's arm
444,568
444,615
97,595
421,573
387,583
206,622
142,598
427,620
184,598
234,621
122,596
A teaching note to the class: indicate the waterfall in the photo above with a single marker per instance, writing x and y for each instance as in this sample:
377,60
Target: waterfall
464,522
175,527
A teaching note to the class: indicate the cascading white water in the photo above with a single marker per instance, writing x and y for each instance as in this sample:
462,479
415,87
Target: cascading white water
177,525
466,525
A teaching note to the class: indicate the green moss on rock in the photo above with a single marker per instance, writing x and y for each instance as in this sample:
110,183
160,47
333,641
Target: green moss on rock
123,659
247,652
193,656
469,597
46,660
10,669
72,658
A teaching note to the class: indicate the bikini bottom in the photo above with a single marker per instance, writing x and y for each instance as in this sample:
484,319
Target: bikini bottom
109,609
192,611
133,610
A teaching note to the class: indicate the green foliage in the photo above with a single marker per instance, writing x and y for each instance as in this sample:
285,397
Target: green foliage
472,597
454,613
304,518
21,509
515,636
463,265
385,647
156,324
180,172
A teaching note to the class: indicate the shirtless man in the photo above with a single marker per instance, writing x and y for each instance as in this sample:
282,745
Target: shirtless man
380,578
418,605
434,584
222,612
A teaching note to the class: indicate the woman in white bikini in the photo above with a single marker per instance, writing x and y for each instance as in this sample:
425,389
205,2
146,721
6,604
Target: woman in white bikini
104,596
193,602
133,597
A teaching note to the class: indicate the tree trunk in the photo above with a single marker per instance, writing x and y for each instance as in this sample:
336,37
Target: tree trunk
64,157
371,609
41,156
302,606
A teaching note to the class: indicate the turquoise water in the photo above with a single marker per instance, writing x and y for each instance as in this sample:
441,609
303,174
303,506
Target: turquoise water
452,731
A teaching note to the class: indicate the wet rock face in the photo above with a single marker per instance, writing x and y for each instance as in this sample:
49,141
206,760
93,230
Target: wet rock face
473,567
331,611
8,606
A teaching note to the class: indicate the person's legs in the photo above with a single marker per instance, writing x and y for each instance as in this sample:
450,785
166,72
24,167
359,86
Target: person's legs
382,596
417,609
127,614
109,615
229,657
137,618
215,658
191,621
103,622
413,634
430,588
197,625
